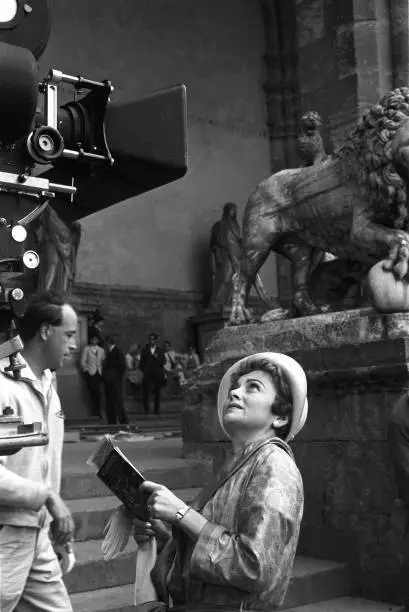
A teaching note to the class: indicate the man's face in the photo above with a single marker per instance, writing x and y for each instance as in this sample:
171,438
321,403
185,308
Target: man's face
166,346
59,341
152,340
94,340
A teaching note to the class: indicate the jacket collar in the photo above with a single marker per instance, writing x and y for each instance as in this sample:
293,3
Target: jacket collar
42,384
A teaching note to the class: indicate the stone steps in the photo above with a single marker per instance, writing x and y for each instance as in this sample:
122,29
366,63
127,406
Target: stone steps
134,405
117,599
312,580
158,460
345,604
143,423
92,514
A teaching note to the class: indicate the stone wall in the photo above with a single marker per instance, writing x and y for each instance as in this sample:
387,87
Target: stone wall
131,313
351,512
215,47
344,58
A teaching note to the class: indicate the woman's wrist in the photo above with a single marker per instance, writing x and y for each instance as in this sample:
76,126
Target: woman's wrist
192,523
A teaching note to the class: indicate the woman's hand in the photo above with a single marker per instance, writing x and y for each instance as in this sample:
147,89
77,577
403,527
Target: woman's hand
143,531
162,504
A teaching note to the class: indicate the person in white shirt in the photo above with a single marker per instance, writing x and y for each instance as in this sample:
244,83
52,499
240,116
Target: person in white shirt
170,355
31,508
92,359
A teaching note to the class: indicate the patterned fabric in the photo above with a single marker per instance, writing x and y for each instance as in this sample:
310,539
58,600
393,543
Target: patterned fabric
244,555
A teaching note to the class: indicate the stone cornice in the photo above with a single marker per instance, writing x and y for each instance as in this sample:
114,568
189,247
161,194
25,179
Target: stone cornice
99,292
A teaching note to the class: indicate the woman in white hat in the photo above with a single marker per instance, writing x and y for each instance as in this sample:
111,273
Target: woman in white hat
233,548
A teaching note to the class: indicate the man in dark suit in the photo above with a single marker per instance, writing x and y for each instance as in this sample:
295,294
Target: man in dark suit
113,373
154,375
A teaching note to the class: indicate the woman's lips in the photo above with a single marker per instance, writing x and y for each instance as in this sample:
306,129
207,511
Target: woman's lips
233,405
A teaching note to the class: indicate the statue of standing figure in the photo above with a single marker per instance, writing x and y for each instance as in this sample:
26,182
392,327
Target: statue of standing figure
225,248
57,244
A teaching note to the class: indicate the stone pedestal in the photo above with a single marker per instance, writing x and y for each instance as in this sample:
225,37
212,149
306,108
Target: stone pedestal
205,326
357,366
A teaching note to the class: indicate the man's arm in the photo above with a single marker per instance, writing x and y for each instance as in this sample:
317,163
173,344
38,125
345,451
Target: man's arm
121,362
84,355
161,356
142,361
19,492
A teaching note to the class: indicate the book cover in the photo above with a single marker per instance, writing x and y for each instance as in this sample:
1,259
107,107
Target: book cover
121,477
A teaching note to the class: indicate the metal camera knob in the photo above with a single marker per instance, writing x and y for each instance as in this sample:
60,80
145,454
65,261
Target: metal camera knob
45,144
31,260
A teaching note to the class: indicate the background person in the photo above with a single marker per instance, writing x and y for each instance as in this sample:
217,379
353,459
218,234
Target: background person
113,373
234,548
154,374
92,359
171,356
30,574
133,372
190,359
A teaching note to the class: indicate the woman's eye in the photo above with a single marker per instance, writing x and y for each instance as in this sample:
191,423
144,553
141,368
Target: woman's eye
253,385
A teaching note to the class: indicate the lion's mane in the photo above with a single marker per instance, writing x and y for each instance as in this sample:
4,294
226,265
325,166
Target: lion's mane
366,156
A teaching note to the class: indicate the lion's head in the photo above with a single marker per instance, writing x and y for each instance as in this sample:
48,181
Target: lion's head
368,155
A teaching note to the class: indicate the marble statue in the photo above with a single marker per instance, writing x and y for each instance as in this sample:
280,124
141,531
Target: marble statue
225,250
353,204
57,244
310,145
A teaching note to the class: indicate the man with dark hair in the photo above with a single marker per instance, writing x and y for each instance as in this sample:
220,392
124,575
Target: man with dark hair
113,373
154,376
30,480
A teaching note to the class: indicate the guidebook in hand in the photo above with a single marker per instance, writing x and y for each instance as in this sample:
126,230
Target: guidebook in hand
120,476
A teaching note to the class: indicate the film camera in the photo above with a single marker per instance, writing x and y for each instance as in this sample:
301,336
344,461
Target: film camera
74,158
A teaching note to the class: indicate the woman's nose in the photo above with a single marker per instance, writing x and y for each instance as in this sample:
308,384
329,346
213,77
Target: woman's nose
234,393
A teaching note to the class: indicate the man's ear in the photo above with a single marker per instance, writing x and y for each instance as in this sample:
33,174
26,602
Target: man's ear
280,421
45,331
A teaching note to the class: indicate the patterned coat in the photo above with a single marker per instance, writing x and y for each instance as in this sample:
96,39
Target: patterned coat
244,555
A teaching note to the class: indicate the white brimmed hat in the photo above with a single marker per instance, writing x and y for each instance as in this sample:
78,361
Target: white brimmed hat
296,379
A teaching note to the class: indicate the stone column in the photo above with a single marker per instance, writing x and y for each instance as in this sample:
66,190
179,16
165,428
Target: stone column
283,100
399,28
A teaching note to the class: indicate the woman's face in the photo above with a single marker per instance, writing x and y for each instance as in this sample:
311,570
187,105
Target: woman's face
249,403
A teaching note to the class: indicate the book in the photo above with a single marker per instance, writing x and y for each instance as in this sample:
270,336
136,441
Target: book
120,476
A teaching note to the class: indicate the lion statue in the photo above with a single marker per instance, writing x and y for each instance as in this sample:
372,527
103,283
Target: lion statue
353,204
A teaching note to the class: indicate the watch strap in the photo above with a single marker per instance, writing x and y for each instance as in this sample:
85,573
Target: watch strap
181,513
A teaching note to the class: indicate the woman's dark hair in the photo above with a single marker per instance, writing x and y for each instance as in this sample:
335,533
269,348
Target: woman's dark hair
283,403
42,308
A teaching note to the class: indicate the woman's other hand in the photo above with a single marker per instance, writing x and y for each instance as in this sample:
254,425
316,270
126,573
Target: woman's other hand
143,531
162,504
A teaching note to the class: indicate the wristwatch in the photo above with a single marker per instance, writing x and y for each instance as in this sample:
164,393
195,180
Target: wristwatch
181,513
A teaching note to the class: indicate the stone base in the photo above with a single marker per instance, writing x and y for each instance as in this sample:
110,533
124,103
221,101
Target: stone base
357,367
205,326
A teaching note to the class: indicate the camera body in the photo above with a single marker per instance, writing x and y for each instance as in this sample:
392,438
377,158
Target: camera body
61,163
